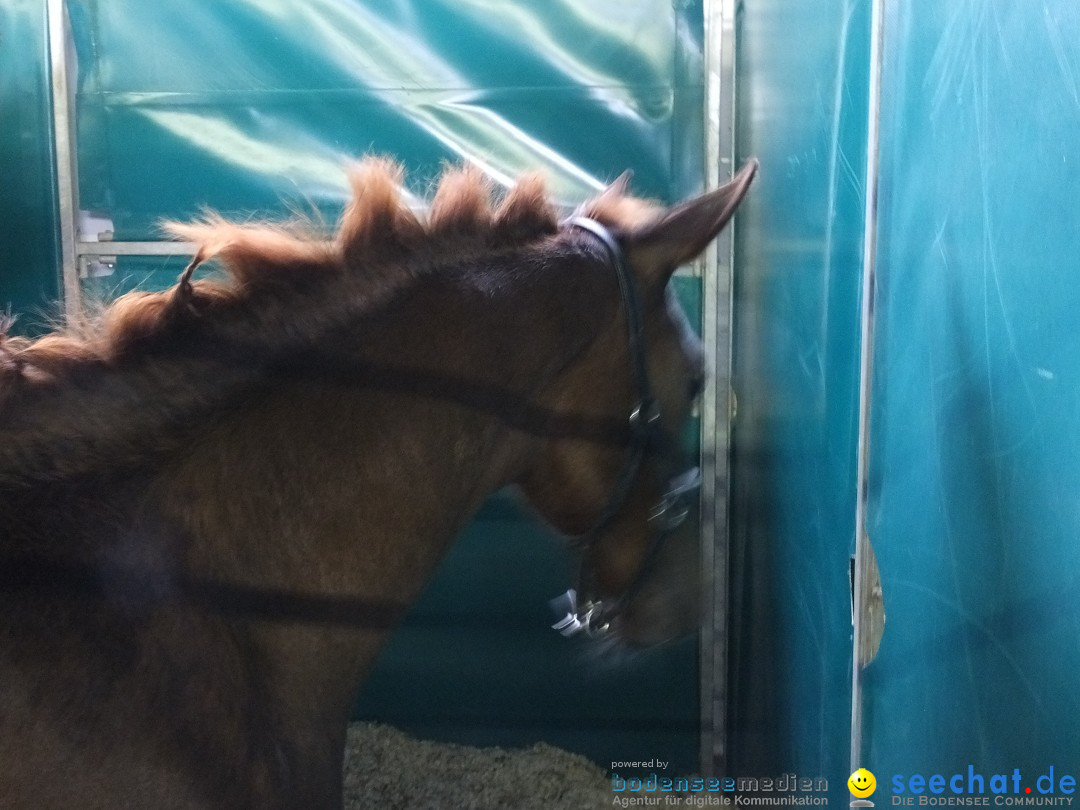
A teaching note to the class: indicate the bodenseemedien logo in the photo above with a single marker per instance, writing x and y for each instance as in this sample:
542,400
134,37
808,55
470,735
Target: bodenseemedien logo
732,792
862,785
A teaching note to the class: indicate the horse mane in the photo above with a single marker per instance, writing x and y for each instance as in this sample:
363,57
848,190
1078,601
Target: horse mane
378,246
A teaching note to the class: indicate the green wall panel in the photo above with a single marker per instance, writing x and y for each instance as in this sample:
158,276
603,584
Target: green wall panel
977,393
249,105
29,274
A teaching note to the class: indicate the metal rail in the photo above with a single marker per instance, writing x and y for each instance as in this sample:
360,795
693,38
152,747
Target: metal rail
862,552
108,248
717,397
63,135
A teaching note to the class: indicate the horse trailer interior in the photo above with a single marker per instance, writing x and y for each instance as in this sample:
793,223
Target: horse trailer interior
888,523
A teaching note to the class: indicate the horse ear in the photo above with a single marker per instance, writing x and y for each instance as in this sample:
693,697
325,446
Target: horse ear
680,233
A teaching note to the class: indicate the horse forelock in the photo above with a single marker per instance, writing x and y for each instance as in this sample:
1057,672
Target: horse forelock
379,245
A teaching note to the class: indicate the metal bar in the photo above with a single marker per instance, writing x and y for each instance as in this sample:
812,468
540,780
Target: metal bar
716,400
65,160
135,248
866,356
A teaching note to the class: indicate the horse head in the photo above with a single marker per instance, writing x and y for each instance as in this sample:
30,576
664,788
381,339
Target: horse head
625,506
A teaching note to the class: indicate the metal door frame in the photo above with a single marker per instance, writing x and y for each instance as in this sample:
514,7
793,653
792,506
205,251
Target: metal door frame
718,398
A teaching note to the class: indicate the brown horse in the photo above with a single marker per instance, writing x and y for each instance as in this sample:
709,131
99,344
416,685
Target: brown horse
216,502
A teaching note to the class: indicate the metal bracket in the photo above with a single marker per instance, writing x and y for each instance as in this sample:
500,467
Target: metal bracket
870,604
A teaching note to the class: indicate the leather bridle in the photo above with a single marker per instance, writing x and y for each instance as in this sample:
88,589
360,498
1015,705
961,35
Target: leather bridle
581,608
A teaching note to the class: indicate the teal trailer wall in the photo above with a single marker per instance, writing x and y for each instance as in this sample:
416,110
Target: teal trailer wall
802,90
253,108
976,402
29,275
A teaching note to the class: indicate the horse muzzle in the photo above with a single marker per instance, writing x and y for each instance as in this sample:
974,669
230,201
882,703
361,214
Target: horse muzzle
590,615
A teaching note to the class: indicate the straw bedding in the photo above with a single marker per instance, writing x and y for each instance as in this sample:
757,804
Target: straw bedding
386,769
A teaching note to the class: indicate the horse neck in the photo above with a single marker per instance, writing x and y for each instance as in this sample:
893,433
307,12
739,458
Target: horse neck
352,470
325,485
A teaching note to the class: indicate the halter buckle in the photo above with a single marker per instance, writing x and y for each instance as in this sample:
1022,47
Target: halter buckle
673,508
585,619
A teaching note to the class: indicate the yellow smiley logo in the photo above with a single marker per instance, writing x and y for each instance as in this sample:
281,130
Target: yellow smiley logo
862,783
